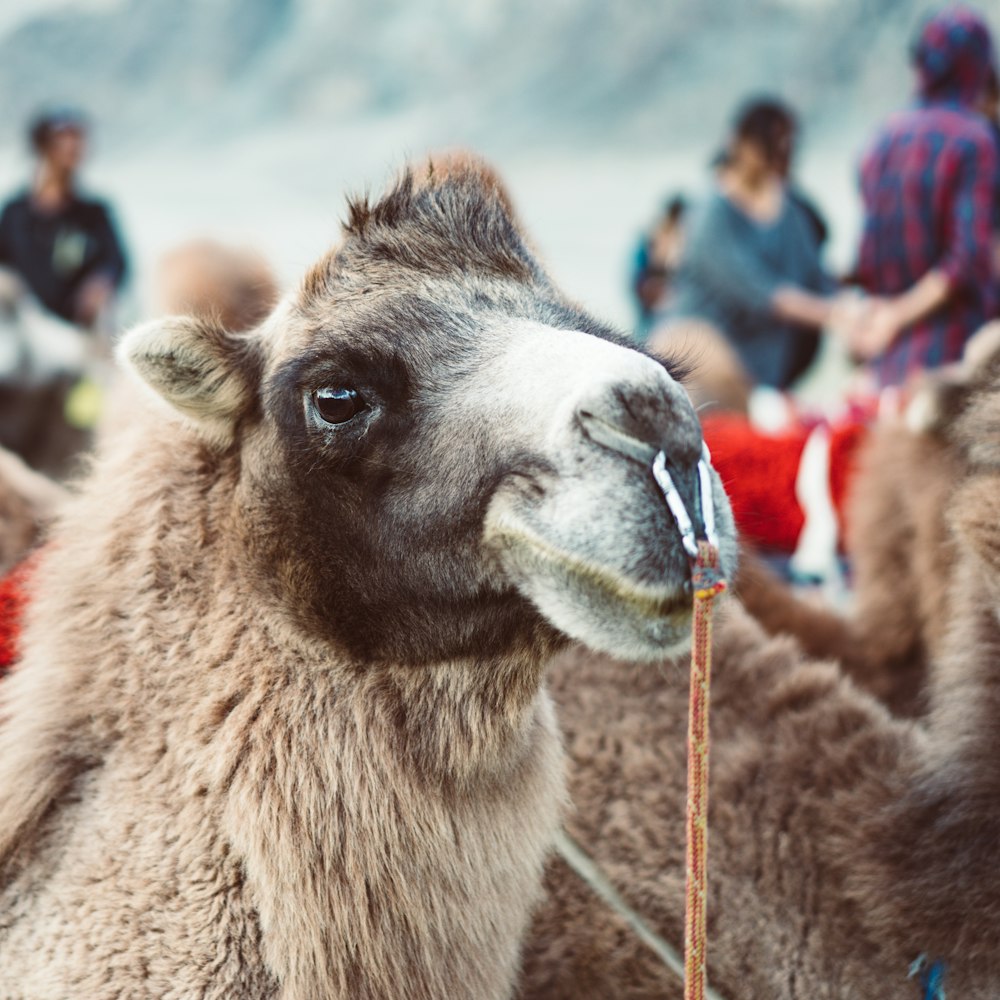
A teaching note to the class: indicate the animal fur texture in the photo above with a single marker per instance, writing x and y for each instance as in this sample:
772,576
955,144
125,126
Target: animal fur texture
28,502
844,843
901,548
280,728
231,285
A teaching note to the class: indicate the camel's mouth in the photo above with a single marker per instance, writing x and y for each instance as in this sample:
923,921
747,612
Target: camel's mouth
649,601
598,604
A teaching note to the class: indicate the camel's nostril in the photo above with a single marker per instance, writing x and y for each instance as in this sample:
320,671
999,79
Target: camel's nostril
613,437
675,456
641,420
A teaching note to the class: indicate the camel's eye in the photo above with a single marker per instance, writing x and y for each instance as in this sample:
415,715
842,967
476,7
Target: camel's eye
337,406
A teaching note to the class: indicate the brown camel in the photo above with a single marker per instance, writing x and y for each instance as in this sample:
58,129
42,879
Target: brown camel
846,846
899,541
233,286
279,728
28,502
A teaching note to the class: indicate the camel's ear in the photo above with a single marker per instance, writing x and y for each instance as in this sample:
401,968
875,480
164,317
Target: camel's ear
202,371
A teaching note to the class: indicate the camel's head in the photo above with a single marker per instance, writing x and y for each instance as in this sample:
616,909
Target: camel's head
941,398
433,443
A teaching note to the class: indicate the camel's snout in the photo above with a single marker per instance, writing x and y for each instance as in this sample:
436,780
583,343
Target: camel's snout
639,421
654,413
603,547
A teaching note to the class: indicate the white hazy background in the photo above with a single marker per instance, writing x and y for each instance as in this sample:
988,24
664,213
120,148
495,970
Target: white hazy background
249,120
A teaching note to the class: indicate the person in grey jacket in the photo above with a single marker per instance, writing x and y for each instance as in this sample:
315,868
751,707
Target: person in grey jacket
751,272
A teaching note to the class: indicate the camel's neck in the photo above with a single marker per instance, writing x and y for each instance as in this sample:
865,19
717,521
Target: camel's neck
460,721
447,725
387,818
964,720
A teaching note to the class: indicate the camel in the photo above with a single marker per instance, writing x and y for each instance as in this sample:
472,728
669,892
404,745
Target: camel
898,539
848,847
28,502
230,285
280,727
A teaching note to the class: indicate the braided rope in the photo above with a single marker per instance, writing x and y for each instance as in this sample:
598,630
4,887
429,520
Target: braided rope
708,584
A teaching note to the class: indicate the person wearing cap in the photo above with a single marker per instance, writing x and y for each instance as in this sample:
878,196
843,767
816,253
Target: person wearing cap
62,244
927,183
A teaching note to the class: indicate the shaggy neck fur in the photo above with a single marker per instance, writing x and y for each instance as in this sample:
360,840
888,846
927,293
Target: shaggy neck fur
242,754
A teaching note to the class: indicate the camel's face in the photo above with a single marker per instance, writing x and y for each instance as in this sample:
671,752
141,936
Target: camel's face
580,525
418,480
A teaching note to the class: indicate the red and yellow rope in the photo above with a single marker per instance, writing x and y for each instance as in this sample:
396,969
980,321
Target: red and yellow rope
707,584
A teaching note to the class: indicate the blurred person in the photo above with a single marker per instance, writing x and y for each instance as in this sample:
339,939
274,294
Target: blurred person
989,105
817,221
751,293
61,247
928,182
62,244
656,260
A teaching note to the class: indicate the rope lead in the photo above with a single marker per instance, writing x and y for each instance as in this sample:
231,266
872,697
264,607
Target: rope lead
707,583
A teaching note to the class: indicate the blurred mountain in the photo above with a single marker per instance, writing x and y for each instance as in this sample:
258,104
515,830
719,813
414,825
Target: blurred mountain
639,71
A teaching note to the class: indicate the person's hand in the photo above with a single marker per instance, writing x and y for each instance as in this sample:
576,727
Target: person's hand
879,329
848,316
93,299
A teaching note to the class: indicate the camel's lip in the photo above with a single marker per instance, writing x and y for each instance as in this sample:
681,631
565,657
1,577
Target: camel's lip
654,603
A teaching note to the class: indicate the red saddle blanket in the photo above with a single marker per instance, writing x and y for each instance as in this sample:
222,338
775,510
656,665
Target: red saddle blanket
759,472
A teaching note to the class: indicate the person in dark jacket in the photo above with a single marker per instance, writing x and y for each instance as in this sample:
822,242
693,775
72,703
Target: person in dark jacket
62,244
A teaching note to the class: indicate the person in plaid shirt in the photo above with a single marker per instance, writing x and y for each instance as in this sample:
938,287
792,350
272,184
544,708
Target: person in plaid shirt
990,106
928,183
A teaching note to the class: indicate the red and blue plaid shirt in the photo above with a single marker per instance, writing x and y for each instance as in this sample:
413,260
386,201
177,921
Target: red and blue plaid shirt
928,185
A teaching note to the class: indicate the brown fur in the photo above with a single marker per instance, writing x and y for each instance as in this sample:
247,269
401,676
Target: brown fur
844,843
232,286
28,502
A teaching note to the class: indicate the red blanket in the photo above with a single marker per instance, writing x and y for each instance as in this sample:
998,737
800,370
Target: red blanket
13,600
759,471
